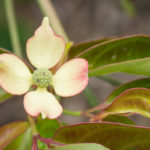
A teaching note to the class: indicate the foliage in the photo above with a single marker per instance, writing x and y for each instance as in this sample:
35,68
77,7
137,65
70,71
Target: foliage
113,129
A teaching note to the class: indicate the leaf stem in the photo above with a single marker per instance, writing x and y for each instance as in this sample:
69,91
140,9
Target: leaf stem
48,10
128,7
110,80
10,15
16,44
90,97
72,113
33,126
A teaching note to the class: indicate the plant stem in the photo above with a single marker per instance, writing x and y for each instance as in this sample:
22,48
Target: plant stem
49,11
72,113
128,7
90,97
33,126
16,44
12,27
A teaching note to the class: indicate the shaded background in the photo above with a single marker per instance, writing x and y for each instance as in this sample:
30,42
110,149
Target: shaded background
83,20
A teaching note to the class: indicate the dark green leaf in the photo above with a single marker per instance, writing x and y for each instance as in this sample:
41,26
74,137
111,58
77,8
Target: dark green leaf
112,135
5,36
119,119
129,54
76,49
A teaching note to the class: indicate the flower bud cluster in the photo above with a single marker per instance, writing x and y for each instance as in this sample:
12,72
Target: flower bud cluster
42,77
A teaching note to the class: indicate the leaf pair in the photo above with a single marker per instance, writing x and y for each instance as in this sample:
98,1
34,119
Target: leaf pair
128,99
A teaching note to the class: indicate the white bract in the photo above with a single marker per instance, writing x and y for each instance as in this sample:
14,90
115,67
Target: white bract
44,51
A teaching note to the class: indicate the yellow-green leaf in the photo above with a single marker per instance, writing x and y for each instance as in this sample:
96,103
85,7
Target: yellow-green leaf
132,101
139,83
83,146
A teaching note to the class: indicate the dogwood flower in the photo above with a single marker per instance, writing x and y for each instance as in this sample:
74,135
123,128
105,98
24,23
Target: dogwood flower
44,50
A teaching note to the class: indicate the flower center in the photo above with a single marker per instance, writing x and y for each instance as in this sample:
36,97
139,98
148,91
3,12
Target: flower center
42,77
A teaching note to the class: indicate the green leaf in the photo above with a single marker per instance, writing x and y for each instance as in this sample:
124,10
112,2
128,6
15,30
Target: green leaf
112,135
76,49
10,131
129,54
22,142
140,83
2,50
42,146
136,100
5,36
84,146
47,127
119,119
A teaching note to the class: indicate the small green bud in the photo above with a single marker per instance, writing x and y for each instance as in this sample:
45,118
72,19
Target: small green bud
42,77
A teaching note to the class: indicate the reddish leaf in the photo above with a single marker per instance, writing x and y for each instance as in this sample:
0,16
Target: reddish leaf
112,135
10,131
